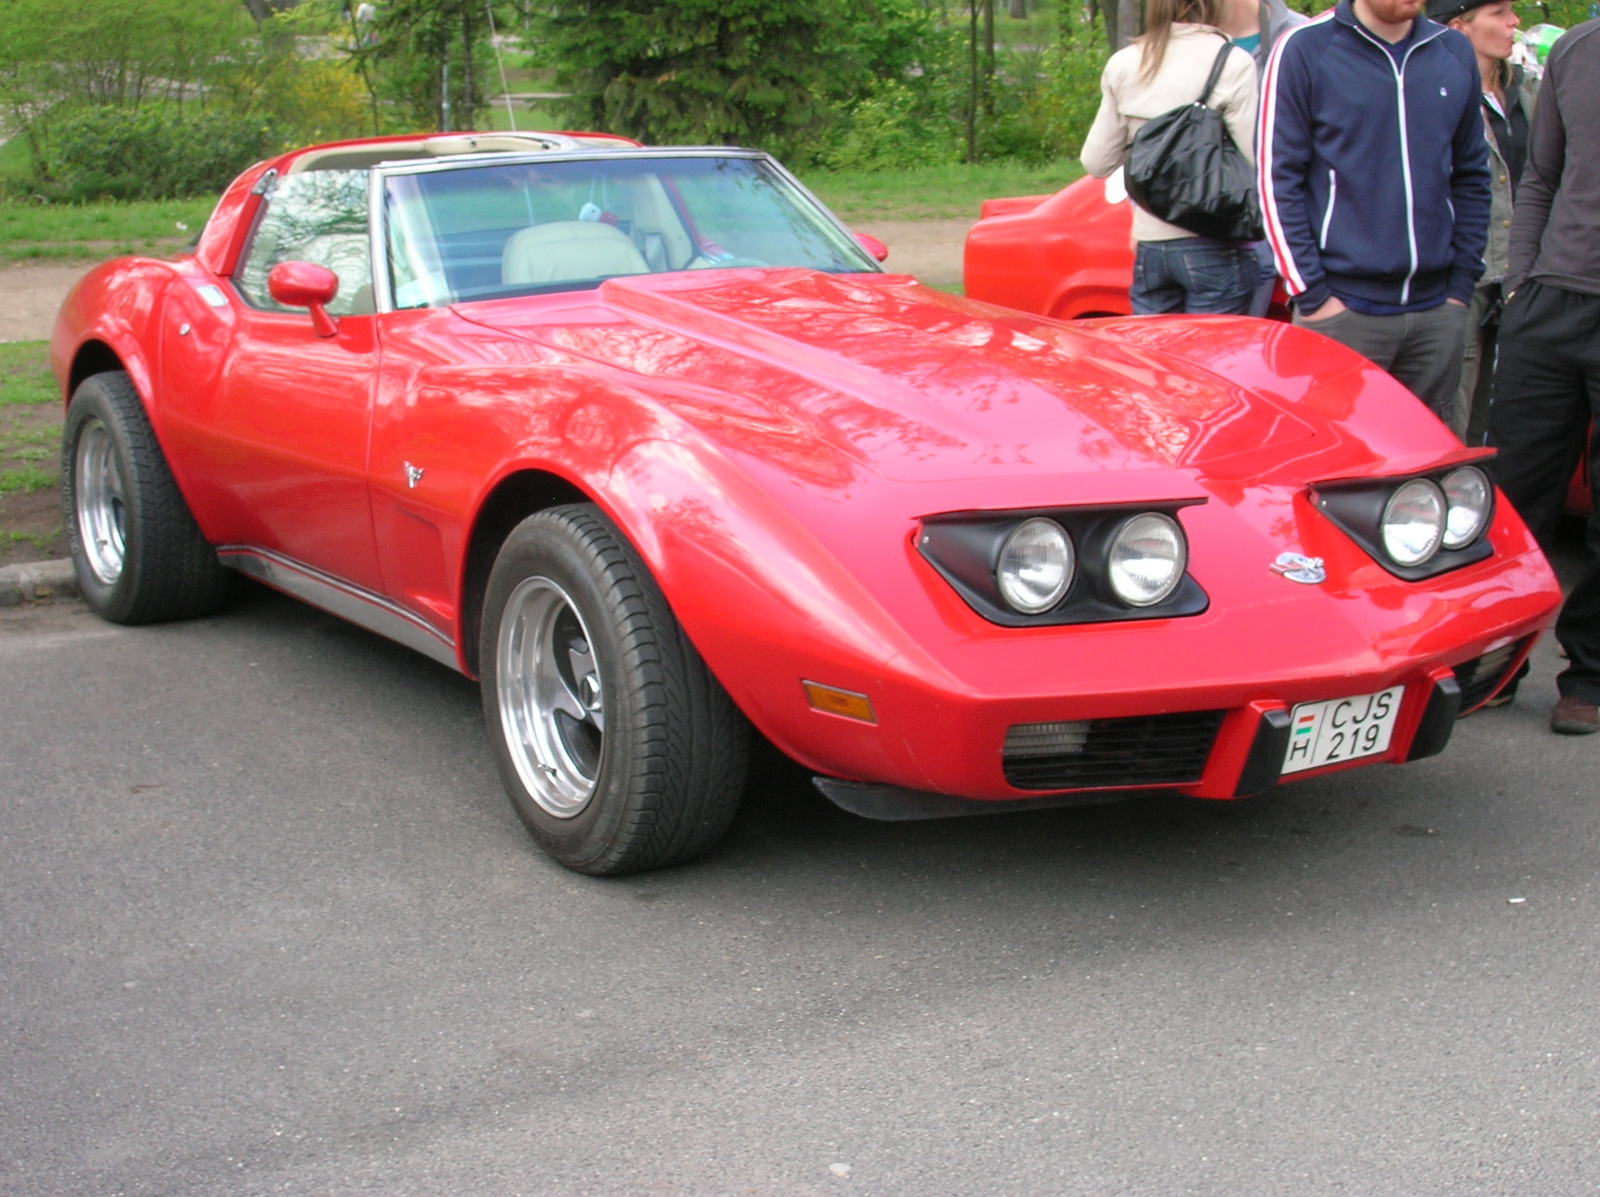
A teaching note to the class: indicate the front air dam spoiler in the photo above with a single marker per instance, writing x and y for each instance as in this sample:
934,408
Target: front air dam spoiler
894,804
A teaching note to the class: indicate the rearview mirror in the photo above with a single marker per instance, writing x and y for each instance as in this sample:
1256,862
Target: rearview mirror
306,285
873,246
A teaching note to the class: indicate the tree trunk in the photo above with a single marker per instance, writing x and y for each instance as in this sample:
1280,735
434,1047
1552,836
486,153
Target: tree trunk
1130,21
258,9
1018,10
362,68
972,70
468,105
988,57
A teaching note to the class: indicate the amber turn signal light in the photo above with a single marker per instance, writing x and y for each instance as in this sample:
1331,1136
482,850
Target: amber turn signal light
839,702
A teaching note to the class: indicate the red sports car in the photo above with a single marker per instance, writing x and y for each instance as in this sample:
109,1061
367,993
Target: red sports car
646,442
1067,255
1070,255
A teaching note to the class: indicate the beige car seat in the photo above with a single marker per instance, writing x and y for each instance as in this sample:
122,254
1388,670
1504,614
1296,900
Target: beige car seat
565,251
657,231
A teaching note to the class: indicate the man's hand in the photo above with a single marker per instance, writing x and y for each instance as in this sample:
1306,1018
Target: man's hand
1457,302
1333,307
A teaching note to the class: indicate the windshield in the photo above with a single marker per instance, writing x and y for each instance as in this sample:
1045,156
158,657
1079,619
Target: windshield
485,232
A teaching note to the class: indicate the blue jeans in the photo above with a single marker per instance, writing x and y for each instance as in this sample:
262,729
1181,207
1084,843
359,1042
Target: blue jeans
1266,279
1192,274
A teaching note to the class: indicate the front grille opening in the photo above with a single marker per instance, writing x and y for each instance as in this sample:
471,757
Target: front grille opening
1481,676
1145,750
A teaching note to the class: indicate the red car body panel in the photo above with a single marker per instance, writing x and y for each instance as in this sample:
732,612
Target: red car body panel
1070,255
1066,255
768,439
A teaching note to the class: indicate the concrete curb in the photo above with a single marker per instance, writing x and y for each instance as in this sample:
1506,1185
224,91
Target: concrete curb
36,580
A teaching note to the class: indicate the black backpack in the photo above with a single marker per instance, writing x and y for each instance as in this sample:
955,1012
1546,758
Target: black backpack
1184,168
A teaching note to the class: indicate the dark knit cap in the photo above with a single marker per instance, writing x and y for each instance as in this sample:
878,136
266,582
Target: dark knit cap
1445,11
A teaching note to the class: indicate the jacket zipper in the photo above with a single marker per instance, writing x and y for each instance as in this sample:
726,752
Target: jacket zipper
1399,73
1327,217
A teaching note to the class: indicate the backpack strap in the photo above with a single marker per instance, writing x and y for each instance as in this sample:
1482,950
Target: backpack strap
1216,72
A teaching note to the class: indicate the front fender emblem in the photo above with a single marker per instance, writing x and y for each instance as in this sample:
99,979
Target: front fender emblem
413,475
1299,568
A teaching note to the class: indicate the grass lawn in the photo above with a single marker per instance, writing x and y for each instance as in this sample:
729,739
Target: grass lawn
30,439
30,231
933,192
25,378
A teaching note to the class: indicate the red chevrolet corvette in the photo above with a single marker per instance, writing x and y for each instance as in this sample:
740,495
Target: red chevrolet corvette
646,442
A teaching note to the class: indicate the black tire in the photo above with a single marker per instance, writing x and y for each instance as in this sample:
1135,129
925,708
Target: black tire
663,750
150,563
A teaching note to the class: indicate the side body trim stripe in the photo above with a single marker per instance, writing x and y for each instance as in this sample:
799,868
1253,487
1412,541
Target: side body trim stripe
352,603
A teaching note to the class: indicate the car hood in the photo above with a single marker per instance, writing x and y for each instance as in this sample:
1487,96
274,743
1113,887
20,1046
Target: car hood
828,377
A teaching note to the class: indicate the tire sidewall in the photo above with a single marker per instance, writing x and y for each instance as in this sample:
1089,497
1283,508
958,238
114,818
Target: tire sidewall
543,546
92,401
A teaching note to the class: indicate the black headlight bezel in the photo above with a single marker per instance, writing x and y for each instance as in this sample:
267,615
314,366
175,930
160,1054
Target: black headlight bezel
1356,508
964,548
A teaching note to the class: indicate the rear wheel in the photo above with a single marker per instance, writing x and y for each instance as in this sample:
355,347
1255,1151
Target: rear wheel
618,748
138,554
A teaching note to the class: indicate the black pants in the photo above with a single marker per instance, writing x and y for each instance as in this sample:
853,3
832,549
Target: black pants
1546,393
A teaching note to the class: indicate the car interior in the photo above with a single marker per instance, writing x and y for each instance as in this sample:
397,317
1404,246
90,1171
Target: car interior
496,229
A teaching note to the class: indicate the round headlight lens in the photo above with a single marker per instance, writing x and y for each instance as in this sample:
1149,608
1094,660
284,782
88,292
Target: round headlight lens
1036,566
1413,522
1147,559
1467,497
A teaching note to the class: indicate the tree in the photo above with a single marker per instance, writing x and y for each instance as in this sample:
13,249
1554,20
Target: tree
429,54
742,72
58,55
1124,21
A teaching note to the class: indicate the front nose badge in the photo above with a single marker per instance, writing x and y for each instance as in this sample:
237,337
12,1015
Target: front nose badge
1299,568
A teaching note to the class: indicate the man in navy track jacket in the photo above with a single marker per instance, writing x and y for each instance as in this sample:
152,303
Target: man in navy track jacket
1375,187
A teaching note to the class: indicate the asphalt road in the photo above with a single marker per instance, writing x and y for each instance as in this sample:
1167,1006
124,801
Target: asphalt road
268,924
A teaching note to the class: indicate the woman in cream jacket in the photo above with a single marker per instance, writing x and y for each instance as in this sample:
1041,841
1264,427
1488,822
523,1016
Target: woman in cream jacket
1173,269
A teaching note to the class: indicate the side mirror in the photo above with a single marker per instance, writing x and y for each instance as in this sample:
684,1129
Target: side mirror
304,285
873,246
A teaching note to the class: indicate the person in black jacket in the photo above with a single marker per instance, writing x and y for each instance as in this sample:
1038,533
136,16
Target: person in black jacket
1375,186
1509,95
1547,379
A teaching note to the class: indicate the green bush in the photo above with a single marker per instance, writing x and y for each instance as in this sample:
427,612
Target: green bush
1048,108
721,72
891,129
148,153
1035,109
893,91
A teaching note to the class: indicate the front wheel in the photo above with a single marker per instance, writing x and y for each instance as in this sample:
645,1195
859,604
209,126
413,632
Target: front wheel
618,748
137,552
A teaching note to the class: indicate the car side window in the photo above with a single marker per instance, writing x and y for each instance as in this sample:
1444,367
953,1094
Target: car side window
319,217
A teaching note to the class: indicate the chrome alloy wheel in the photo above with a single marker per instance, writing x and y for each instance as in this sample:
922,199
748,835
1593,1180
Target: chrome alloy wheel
98,501
552,710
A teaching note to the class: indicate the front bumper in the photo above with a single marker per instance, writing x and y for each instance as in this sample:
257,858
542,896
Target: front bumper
1241,669
1262,769
1243,755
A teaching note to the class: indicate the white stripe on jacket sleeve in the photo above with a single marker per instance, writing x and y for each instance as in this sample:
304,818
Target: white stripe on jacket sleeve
1282,253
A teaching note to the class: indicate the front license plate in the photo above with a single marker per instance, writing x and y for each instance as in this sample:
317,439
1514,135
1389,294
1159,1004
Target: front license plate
1341,729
